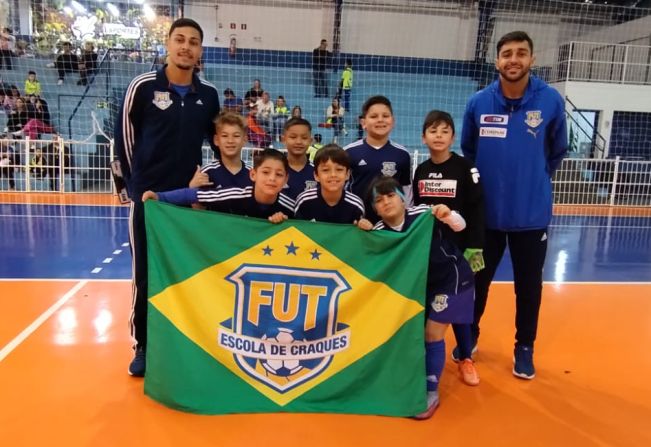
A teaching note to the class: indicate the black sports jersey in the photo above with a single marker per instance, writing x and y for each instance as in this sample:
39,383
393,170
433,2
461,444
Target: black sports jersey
454,183
242,202
300,181
221,177
448,270
310,205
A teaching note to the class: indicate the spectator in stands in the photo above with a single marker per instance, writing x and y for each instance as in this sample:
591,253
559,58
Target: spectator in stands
280,117
38,165
66,62
88,63
18,118
39,122
255,92
315,146
297,112
32,85
320,62
360,127
346,84
11,97
335,117
7,47
265,112
7,162
255,133
232,103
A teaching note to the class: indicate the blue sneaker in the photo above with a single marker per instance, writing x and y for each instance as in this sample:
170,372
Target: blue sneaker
523,362
455,352
137,365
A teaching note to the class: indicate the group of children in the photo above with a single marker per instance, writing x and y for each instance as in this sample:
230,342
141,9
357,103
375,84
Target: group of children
367,184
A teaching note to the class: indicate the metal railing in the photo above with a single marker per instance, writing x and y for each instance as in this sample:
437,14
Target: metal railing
77,166
603,62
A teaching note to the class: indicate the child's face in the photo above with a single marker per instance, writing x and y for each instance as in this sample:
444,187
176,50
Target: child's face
378,121
230,139
389,206
269,178
332,176
297,139
31,77
280,102
438,138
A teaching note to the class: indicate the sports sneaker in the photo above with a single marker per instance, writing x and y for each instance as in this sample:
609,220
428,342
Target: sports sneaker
432,405
60,82
137,365
523,362
455,352
468,372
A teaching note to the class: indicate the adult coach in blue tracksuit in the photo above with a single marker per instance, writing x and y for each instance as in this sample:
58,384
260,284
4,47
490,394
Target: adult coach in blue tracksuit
514,131
161,127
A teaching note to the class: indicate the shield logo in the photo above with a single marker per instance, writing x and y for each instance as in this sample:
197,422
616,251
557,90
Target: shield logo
284,330
389,168
534,118
440,303
162,100
310,184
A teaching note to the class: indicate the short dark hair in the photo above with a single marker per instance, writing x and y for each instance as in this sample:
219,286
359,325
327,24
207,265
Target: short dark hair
436,117
31,72
378,99
297,122
185,22
270,154
332,152
349,62
514,36
229,91
324,40
317,137
382,186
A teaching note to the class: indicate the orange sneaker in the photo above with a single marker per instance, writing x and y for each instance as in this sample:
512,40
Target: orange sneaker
468,372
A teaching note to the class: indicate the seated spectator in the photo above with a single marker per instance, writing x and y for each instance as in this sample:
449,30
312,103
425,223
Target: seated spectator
40,121
18,118
280,117
297,112
251,97
32,85
7,48
232,103
38,165
335,117
54,162
66,62
11,96
314,147
255,133
7,162
88,63
265,112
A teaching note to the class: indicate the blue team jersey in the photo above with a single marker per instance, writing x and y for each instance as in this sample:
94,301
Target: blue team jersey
300,181
240,201
310,205
368,163
448,271
221,177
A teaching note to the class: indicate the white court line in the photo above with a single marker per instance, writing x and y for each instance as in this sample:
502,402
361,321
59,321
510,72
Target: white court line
66,217
126,244
96,270
117,252
107,260
13,344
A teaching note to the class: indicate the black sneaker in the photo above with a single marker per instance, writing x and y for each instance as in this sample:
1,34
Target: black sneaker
455,352
137,365
523,362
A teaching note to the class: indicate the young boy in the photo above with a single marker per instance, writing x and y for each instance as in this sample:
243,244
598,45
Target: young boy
315,146
376,156
297,136
229,171
449,179
32,85
329,202
280,117
346,84
450,285
263,200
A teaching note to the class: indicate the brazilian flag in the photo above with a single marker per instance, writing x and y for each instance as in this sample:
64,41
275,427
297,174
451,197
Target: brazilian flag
248,316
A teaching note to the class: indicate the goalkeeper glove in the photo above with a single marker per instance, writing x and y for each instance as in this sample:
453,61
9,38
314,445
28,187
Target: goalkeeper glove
475,258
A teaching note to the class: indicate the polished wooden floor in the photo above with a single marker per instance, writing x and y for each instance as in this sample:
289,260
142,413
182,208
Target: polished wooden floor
65,347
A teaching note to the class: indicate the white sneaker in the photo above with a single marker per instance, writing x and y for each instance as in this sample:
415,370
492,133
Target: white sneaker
60,82
50,65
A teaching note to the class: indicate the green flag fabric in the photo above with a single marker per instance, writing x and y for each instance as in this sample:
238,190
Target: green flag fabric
248,316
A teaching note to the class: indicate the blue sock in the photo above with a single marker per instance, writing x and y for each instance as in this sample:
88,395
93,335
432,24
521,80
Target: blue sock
464,340
434,363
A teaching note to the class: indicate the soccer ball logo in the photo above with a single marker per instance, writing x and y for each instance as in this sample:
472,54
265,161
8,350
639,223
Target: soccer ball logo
281,367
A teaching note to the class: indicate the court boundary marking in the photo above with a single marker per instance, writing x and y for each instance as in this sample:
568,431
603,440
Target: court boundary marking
38,322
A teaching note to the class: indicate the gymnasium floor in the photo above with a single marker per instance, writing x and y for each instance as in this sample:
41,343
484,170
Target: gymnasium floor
65,346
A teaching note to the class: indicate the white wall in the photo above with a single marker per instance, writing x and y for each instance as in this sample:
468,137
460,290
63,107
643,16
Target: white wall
625,32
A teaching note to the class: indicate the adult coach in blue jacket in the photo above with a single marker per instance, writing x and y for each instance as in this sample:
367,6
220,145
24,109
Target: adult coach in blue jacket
159,133
514,131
